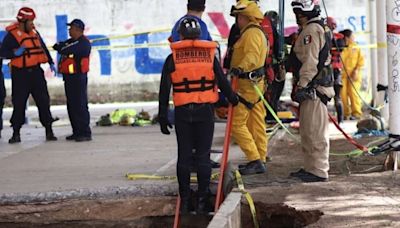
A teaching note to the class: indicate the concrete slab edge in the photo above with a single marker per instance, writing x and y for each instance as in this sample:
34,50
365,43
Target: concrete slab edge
229,214
90,194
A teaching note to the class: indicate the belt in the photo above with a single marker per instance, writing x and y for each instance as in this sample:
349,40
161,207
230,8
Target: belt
324,99
258,73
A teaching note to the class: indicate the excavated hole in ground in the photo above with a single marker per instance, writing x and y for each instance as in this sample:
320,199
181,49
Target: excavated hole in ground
135,212
143,212
278,215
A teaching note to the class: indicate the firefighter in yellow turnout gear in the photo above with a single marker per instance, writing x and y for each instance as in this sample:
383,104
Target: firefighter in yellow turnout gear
248,59
353,61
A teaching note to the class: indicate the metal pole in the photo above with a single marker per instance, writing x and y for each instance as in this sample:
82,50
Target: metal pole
382,60
373,51
393,39
225,153
281,29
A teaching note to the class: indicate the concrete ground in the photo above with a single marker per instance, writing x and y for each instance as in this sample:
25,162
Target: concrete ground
35,170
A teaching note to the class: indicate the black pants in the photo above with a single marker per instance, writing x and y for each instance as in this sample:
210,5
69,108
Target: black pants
26,81
194,125
77,104
2,97
274,92
338,100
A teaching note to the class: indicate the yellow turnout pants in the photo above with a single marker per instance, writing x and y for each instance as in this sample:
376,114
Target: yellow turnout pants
351,102
248,126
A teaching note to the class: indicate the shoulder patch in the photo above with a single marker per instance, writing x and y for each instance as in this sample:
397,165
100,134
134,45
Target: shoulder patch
307,39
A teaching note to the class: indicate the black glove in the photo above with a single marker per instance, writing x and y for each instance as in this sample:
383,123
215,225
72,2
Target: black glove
236,71
164,125
303,94
57,46
234,99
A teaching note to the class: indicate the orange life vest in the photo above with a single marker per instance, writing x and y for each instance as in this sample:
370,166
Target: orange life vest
72,65
33,54
193,80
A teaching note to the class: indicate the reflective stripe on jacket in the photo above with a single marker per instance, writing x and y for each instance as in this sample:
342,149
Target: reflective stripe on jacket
193,80
33,54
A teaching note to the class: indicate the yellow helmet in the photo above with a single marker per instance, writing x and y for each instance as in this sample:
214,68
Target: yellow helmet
247,8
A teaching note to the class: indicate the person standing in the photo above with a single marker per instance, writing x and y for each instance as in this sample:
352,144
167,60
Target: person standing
248,59
275,69
353,61
195,74
74,66
195,10
27,50
2,93
234,35
338,44
310,59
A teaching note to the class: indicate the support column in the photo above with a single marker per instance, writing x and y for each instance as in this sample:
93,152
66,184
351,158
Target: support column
381,98
373,51
393,39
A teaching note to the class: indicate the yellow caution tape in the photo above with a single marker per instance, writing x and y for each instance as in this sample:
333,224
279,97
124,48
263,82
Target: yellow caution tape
249,199
136,176
382,45
131,46
130,35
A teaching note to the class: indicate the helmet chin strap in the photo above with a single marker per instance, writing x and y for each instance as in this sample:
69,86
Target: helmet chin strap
26,26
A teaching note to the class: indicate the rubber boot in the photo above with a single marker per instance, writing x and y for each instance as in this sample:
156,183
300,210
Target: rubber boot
186,206
16,138
203,205
49,134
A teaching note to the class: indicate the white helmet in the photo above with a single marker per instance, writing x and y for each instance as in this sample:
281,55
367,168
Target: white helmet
309,8
304,5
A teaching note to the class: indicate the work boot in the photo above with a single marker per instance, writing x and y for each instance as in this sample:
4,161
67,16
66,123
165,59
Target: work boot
83,138
241,166
203,206
307,177
70,137
253,167
49,134
16,138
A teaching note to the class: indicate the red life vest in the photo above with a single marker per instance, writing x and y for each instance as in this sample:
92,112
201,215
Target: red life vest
336,62
70,64
33,54
266,25
193,80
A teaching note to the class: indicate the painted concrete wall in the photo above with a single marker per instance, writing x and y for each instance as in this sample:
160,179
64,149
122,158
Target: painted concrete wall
132,72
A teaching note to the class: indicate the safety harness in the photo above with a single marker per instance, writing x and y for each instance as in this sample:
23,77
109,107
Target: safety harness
256,74
324,76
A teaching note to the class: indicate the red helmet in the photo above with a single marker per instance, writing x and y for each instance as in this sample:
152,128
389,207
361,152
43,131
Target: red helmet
331,22
26,13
